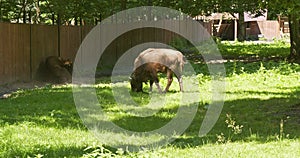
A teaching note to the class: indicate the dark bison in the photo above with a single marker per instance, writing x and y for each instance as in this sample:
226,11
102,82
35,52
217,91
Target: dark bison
152,61
55,69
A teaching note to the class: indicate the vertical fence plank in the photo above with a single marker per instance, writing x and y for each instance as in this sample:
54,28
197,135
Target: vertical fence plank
123,43
109,56
23,47
85,30
83,33
22,58
44,43
136,37
5,50
70,40
2,50
14,53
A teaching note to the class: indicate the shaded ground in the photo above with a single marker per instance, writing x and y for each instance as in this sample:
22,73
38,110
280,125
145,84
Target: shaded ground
293,113
7,89
246,52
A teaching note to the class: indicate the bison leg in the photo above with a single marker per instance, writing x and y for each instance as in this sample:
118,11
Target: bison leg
180,83
151,85
156,81
170,79
158,87
179,78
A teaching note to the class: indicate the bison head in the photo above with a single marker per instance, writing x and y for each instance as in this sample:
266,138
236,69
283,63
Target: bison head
136,84
68,64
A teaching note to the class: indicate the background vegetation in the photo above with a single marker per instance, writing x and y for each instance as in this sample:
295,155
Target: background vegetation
49,11
91,12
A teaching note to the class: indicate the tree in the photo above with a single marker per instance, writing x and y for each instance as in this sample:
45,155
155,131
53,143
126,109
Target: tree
294,23
292,10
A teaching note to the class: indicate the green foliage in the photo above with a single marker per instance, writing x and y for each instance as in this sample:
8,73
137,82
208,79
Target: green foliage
217,39
231,124
284,8
97,151
42,11
234,130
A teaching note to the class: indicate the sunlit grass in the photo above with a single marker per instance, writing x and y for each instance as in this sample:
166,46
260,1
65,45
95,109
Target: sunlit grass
248,50
263,97
28,139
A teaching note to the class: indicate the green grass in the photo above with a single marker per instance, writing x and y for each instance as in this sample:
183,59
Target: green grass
262,97
249,50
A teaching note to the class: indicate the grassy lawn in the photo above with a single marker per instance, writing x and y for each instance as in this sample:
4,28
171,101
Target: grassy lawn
260,117
249,50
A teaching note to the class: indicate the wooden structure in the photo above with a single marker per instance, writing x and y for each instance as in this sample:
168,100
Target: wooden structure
284,24
223,25
259,27
23,47
268,30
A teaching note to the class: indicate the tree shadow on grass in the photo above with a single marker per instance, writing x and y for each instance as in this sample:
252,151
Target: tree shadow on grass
49,107
260,118
46,151
43,108
261,121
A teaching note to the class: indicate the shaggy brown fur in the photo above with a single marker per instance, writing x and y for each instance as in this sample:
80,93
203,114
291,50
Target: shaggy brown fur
55,70
152,61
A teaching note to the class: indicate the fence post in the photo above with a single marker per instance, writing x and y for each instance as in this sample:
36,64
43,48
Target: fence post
58,34
30,52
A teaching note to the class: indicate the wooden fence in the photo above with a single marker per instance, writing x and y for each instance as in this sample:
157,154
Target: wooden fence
14,52
23,47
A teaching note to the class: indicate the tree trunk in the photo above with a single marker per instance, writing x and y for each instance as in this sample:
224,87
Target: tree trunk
58,20
81,21
24,11
294,23
1,12
241,27
38,12
53,19
29,17
124,4
76,20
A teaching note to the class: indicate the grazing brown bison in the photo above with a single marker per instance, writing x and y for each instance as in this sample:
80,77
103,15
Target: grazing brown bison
152,61
55,69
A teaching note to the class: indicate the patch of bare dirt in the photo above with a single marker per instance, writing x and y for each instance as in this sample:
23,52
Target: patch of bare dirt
294,113
7,89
